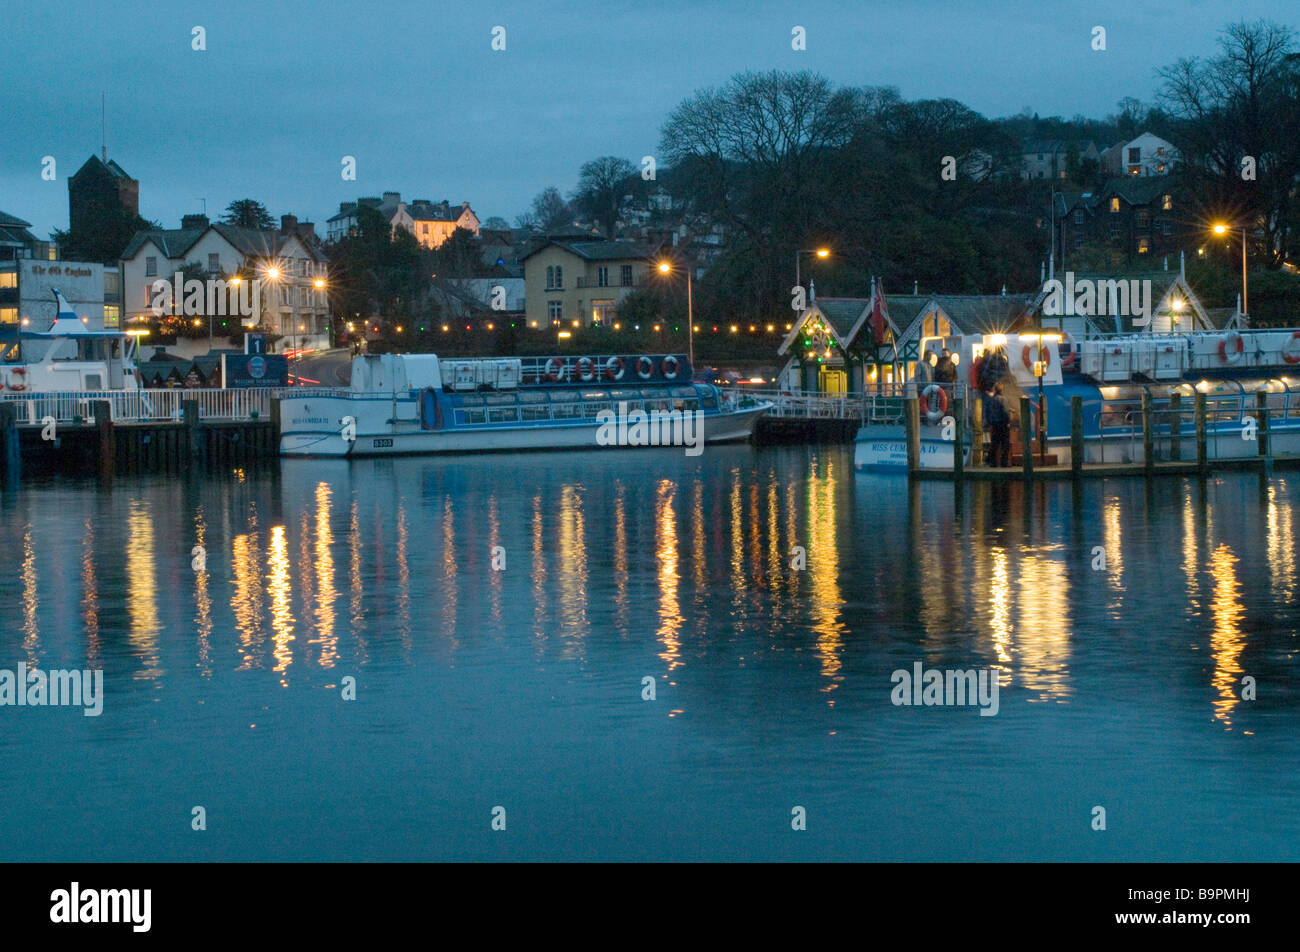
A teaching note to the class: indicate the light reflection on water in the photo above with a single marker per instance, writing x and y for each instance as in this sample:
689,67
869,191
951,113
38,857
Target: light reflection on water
679,569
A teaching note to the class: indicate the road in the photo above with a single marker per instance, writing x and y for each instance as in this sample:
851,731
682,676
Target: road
326,368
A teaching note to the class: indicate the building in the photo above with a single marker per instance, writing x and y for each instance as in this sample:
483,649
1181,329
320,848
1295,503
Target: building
27,288
582,281
97,187
431,223
480,297
1129,220
1146,155
288,262
1049,158
17,242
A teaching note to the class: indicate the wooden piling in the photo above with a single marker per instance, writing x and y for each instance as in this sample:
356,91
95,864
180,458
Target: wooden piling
1076,437
1026,440
1148,436
193,432
107,439
958,415
1261,434
1202,456
912,419
10,457
1175,426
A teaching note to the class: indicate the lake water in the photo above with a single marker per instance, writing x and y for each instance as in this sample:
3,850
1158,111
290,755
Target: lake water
499,615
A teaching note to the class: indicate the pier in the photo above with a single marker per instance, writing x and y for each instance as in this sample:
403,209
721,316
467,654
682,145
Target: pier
818,418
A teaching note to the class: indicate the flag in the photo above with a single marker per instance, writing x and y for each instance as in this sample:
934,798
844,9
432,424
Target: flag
879,313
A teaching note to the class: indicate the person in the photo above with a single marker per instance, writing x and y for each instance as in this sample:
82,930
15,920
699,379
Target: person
945,371
925,369
998,422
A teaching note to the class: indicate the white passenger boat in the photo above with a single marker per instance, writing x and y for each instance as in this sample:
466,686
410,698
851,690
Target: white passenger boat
417,403
67,357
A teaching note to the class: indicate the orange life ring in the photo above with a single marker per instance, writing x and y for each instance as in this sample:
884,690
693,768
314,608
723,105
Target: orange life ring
1291,349
557,374
1045,352
934,414
586,371
663,368
1238,348
17,372
1070,357
610,366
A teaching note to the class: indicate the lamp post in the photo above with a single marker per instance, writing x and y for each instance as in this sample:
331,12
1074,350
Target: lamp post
819,252
1223,229
273,275
666,267
1040,368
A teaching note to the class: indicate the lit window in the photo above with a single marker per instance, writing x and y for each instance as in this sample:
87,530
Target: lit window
1167,202
1114,204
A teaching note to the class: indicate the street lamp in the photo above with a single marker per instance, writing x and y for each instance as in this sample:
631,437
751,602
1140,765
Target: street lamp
819,252
1040,368
1223,229
666,267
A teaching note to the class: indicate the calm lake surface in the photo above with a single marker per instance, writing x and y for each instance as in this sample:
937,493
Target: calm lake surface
478,687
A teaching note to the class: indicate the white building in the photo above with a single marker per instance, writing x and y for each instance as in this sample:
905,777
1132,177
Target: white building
27,288
288,262
1146,155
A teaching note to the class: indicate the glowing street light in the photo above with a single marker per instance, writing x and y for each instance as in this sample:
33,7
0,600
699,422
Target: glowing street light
1222,228
819,252
666,267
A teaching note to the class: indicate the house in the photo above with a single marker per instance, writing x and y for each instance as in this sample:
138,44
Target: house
1148,154
431,223
582,281
480,297
1049,158
17,242
1174,305
1134,219
288,262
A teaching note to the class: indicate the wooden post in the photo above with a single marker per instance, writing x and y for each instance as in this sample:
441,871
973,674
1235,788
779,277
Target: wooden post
1261,434
977,432
193,432
1076,436
1175,426
1026,441
1148,436
912,418
10,458
107,441
1202,457
958,415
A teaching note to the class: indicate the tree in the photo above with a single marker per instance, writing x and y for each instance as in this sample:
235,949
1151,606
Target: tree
1239,108
603,190
495,223
549,212
247,213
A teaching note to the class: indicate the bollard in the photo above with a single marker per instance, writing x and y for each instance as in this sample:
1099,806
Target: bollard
1026,441
1148,437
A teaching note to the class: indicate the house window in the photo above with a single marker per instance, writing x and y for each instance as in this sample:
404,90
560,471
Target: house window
112,315
1144,218
602,311
1144,245
1167,227
150,266
1114,228
8,279
1134,156
559,277
602,277
1078,217
625,275
1114,204
550,278
1167,202
214,264
555,310
1161,168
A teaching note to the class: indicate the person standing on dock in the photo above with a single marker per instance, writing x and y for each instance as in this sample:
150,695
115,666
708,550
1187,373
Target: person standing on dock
998,421
945,371
925,369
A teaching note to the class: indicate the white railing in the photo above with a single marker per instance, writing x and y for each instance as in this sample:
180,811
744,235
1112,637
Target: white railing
138,406
807,406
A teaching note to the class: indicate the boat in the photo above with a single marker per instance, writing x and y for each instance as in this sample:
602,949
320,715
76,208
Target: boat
67,357
417,403
1112,374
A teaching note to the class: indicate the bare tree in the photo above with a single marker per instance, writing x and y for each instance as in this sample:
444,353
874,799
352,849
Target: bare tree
603,189
549,212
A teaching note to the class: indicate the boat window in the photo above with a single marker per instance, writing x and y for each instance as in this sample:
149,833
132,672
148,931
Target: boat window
563,396
709,401
595,395
470,417
683,392
499,399
535,411
11,353
566,411
532,396
469,401
625,394
503,415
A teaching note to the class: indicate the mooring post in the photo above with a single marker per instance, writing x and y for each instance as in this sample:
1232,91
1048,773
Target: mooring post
912,417
10,458
1076,436
1026,440
1261,404
959,434
1148,436
1202,457
1175,426
107,441
193,435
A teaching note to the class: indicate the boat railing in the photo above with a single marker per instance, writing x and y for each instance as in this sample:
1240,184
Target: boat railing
138,406
884,407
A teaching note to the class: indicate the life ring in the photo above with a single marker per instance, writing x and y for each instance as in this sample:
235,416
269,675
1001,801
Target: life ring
555,370
663,368
1044,352
586,372
644,367
17,372
934,414
1291,349
614,368
1238,348
1068,361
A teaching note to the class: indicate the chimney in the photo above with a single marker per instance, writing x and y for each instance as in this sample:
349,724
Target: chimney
392,198
288,224
194,221
347,208
306,229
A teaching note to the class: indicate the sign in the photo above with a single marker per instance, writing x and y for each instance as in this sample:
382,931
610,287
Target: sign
257,367
255,343
242,370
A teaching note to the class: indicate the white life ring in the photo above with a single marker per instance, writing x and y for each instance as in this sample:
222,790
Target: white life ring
1291,349
555,369
20,372
586,370
614,368
933,413
663,367
1233,354
644,367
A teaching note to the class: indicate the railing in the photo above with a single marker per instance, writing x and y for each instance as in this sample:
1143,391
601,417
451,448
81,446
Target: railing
136,406
872,408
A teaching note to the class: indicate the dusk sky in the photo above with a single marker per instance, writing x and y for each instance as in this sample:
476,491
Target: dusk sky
414,91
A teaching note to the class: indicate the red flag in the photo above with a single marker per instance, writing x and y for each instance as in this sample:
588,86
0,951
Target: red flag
879,314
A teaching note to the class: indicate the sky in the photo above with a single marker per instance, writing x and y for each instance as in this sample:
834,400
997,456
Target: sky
416,94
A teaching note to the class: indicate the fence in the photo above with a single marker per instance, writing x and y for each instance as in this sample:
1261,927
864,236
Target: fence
140,406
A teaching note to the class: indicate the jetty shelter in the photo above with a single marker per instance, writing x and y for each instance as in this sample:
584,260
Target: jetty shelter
841,346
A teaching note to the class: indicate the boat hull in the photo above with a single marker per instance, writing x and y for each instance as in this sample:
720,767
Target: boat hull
879,448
